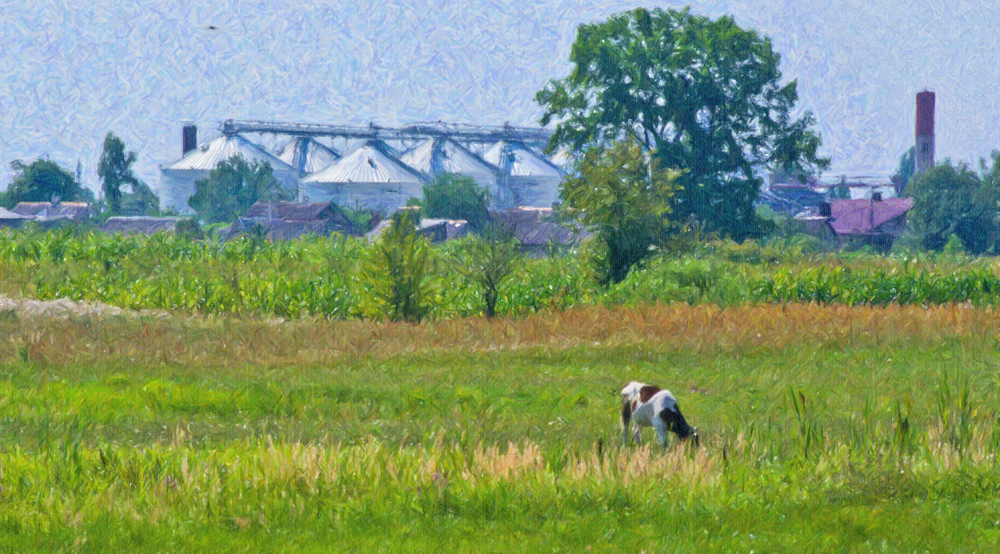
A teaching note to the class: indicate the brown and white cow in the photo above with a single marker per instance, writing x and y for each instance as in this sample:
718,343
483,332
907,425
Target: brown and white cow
649,406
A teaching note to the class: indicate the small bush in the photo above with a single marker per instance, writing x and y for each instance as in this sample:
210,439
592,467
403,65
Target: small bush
396,269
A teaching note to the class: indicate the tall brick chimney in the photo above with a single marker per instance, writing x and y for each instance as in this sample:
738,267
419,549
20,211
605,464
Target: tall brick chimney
924,155
189,139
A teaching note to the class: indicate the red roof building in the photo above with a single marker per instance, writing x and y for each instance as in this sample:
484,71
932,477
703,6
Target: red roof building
876,216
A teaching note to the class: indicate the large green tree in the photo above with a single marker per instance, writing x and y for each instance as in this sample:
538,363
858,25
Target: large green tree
233,186
953,200
43,181
620,192
705,95
115,171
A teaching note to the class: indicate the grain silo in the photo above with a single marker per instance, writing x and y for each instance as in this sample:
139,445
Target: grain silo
527,179
307,155
371,176
439,155
177,179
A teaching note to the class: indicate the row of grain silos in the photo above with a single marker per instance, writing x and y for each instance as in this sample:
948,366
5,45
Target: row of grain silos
372,174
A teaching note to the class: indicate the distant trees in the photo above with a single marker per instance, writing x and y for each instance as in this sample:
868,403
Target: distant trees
620,192
905,170
233,186
115,171
43,181
953,200
455,196
705,96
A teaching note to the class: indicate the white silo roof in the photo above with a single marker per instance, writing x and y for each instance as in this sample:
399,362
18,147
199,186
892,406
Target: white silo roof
517,160
307,155
368,164
445,156
207,156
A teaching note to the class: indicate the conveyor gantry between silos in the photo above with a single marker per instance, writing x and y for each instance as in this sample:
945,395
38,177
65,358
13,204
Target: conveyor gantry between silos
457,132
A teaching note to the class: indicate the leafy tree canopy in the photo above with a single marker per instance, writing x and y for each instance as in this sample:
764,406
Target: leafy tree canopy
621,193
953,200
232,187
704,95
115,171
454,196
42,181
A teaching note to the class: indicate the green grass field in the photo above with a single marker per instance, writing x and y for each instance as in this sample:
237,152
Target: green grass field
823,429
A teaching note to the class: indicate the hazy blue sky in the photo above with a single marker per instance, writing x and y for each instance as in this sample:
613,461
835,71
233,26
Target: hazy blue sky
68,74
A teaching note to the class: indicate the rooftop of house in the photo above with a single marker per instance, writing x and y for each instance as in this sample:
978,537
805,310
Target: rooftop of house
863,216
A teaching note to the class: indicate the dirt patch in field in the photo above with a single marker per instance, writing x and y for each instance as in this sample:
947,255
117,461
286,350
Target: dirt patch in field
64,307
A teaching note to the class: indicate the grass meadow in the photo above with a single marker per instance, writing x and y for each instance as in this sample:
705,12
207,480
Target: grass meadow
824,428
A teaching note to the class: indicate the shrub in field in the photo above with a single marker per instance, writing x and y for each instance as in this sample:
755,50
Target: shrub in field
189,229
396,270
488,261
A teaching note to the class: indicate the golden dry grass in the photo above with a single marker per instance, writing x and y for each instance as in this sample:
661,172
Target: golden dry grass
197,341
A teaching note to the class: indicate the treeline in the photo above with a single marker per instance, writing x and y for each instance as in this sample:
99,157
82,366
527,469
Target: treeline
122,192
409,279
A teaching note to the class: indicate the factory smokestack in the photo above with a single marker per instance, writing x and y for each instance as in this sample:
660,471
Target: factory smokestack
924,158
189,139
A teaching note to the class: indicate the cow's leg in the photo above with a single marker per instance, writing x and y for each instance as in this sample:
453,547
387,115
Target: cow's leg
626,419
637,431
661,430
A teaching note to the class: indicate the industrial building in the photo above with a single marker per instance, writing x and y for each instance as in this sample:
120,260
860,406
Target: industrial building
372,173
527,179
307,155
371,177
177,179
441,155
875,219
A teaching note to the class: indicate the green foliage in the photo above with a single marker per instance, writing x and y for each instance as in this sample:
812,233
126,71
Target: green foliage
455,196
953,247
233,186
952,200
621,193
704,95
397,268
362,220
189,229
488,261
42,181
322,276
115,171
907,166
